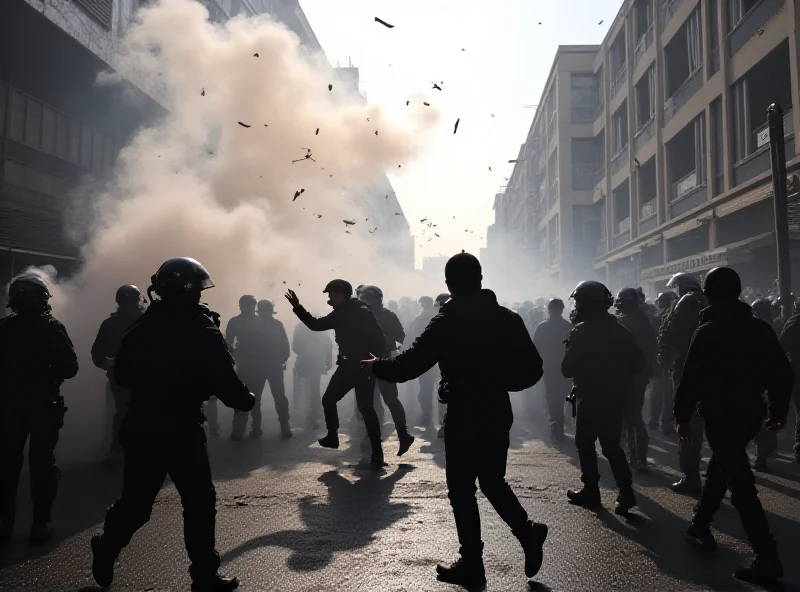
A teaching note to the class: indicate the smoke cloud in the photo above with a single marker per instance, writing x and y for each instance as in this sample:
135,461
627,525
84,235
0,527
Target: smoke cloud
200,184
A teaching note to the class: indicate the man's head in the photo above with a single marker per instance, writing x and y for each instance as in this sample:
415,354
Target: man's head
462,273
684,283
665,299
555,308
722,284
591,297
426,302
372,296
338,291
762,308
28,295
535,315
129,297
392,305
266,308
180,280
441,299
247,304
628,301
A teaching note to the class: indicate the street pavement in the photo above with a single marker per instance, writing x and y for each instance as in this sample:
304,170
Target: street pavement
294,517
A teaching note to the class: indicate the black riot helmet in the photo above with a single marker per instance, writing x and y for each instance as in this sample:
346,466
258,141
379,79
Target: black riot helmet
266,308
425,302
129,295
180,277
762,308
371,295
340,286
665,299
28,293
441,299
684,283
722,283
628,300
594,294
640,292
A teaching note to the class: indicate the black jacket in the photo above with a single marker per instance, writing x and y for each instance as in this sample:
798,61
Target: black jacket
314,351
640,326
790,341
677,330
257,342
110,334
175,358
355,328
391,326
603,359
418,325
549,337
733,358
36,356
473,339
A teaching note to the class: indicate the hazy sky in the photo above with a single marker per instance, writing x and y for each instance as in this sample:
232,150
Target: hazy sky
504,66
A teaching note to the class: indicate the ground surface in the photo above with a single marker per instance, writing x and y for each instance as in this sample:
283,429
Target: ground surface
293,517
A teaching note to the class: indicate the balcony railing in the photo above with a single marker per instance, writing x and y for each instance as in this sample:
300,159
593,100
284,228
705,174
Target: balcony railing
552,194
600,174
758,161
623,225
669,9
619,160
645,133
598,111
645,41
648,209
684,185
584,114
619,81
584,176
752,23
551,125
762,133
685,92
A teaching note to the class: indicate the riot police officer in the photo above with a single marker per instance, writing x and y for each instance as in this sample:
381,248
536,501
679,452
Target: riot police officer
173,358
36,356
673,343
633,317
766,441
428,380
732,360
662,387
603,360
549,337
130,306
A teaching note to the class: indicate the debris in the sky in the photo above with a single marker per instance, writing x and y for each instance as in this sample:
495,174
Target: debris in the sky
600,23
255,55
423,221
316,134
330,87
297,193
306,157
399,166
540,22
427,104
331,176
436,87
347,232
318,215
490,168
376,132
366,220
455,129
367,118
463,49
202,92
373,230
514,161
265,125
454,217
408,103
243,124
284,282
384,23
349,222
492,114
436,235
398,214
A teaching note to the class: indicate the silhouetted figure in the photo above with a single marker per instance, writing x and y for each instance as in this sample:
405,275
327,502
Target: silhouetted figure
427,382
661,394
314,358
790,341
549,337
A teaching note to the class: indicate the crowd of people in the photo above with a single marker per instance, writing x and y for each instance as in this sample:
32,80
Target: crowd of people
716,367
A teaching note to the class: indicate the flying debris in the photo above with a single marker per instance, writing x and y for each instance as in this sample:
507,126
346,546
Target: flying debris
515,161
408,103
463,49
306,157
349,222
347,232
492,114
436,235
376,132
298,193
600,23
423,221
265,125
202,92
455,129
384,23
427,104
399,166
284,283
398,214
243,124
436,87
540,22
255,55
490,168
317,133
318,215
373,230
387,197
330,87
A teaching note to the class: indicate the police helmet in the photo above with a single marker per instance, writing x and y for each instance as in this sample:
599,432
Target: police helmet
266,307
340,286
392,305
247,299
722,283
555,304
762,308
592,291
540,302
686,281
128,295
627,299
666,298
640,292
28,288
441,299
371,293
181,275
425,301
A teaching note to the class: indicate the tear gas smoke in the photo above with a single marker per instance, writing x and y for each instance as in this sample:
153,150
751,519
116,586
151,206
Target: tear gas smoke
198,184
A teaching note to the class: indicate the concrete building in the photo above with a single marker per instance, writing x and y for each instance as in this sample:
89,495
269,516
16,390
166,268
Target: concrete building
660,145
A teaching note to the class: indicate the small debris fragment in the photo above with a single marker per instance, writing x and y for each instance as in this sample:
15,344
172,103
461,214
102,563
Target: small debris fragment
330,87
316,134
255,55
243,124
600,23
490,168
384,23
455,129
347,232
436,87
202,92
408,103
427,104
298,193
349,222
376,132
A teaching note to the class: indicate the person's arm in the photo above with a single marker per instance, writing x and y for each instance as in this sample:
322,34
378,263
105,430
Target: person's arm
417,359
101,348
526,351
780,375
397,330
569,365
691,386
285,349
230,333
328,353
64,362
325,323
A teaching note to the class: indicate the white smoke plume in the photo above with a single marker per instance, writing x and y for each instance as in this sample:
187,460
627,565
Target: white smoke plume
199,184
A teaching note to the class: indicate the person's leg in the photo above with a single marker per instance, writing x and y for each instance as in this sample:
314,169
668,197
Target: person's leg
13,435
44,431
365,396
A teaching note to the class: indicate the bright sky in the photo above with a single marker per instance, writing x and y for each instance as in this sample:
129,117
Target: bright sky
508,46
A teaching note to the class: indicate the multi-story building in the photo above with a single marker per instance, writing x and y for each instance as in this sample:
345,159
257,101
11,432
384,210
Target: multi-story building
669,150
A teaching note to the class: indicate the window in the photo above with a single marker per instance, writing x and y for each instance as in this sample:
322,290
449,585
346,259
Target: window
694,41
737,10
717,149
86,148
48,130
62,137
619,129
33,123
17,128
74,142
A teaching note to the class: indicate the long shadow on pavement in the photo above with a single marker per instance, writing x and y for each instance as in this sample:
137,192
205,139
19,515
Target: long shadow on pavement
354,512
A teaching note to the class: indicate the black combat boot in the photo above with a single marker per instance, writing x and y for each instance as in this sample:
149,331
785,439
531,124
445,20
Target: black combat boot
217,583
587,497
286,430
406,440
532,539
466,571
701,534
331,440
689,486
102,562
376,460
626,500
764,569
256,433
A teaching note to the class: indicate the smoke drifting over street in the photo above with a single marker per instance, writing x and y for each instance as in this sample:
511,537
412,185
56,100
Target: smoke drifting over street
214,180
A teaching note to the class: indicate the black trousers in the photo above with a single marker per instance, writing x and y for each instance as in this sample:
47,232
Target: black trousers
601,422
120,398
427,386
556,390
41,423
729,469
661,401
635,428
255,381
390,396
484,460
307,394
346,378
149,458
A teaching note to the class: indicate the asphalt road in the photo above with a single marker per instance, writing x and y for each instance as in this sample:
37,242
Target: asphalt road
294,517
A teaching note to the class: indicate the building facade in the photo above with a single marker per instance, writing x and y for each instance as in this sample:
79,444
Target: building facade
665,135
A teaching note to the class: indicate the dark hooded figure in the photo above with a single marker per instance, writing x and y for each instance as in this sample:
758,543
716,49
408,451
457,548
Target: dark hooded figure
732,360
549,337
480,347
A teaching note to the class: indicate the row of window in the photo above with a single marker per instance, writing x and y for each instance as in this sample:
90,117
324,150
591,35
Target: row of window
41,127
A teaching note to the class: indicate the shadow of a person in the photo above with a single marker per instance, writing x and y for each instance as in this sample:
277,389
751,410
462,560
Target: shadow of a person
355,511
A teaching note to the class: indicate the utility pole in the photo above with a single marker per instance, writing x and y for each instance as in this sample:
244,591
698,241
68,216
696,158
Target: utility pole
777,153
